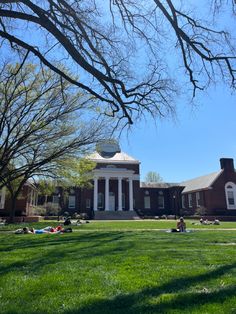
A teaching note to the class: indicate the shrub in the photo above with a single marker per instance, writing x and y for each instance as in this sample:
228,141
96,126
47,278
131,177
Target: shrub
39,210
201,211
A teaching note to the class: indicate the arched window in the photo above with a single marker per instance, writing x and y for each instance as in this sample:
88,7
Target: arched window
230,194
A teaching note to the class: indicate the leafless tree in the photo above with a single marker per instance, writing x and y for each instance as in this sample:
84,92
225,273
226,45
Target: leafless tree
122,49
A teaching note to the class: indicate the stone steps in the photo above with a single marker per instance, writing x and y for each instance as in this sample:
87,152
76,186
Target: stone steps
115,215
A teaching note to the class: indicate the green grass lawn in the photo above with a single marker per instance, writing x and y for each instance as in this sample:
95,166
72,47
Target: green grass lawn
119,267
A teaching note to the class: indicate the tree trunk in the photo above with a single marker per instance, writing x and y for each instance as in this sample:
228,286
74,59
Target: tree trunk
12,209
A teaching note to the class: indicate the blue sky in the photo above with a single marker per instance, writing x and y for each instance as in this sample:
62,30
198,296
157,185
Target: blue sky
192,144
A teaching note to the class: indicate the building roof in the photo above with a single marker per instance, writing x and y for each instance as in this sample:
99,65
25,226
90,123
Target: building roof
160,185
117,158
200,183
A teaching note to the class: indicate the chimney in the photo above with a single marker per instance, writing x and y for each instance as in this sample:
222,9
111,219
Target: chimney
227,164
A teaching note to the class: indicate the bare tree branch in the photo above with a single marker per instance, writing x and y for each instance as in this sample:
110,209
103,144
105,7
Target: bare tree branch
121,48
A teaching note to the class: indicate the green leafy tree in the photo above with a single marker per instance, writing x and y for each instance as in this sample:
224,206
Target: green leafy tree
74,172
42,126
45,188
153,177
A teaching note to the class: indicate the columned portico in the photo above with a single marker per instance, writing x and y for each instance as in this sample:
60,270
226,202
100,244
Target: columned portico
121,176
114,177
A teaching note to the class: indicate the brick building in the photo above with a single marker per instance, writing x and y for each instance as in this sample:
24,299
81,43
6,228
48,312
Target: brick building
25,203
117,188
215,193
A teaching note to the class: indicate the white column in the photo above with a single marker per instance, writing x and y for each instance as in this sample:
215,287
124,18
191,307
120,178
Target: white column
95,194
131,197
107,193
119,193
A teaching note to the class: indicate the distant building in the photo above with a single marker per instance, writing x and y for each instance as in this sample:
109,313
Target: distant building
25,203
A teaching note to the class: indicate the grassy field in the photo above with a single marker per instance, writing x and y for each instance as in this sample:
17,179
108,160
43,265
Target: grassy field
119,267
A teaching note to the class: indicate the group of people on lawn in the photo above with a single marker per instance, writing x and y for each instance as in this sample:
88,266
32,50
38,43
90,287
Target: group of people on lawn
181,227
50,230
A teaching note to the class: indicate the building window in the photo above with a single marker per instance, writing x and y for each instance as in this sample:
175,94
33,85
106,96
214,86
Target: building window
198,199
100,200
123,200
31,198
183,201
160,200
230,193
190,200
55,199
2,198
88,203
71,201
147,202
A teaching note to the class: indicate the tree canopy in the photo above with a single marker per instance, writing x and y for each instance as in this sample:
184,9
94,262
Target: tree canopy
123,50
42,126
153,177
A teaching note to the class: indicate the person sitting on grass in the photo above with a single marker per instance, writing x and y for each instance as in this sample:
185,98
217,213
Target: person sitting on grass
181,225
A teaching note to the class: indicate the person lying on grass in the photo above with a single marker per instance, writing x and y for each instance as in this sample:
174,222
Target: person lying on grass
49,230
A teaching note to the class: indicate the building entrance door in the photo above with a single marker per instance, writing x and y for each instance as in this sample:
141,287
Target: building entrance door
111,201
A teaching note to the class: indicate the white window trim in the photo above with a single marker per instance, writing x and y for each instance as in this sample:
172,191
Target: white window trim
55,199
147,202
183,201
2,199
88,203
190,200
198,199
123,200
162,205
101,206
71,201
229,206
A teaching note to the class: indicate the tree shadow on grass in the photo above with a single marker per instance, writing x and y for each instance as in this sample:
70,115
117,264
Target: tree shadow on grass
140,302
33,241
64,250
